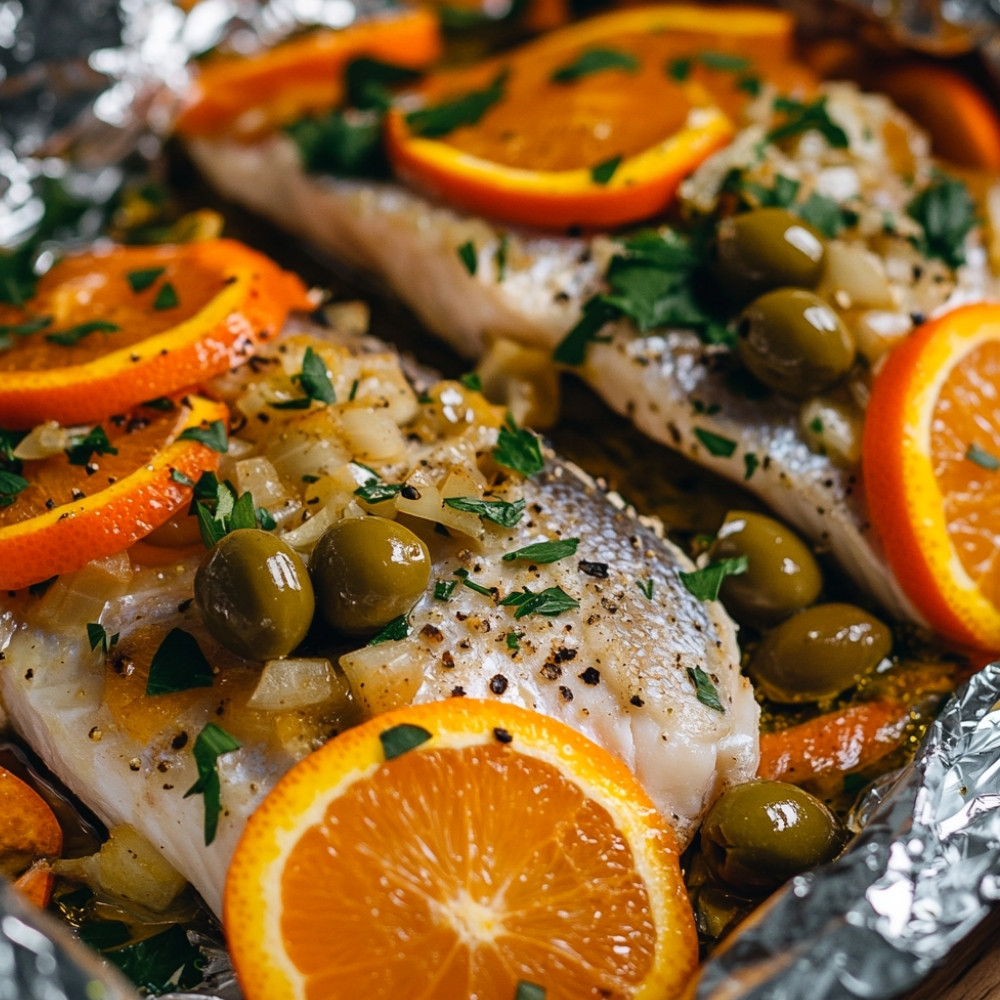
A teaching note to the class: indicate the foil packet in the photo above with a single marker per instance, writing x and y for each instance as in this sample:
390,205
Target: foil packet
85,87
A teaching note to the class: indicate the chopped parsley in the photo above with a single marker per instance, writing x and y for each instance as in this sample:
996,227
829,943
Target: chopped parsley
401,739
219,510
178,665
11,484
721,447
211,743
646,586
946,212
679,69
705,690
378,492
213,436
443,589
179,477
345,143
165,962
595,61
500,257
982,458
26,328
803,117
750,464
144,278
368,81
83,448
467,109
601,173
518,449
706,582
727,62
549,602
498,511
97,635
467,255
354,390
825,214
73,336
315,382
544,552
463,575
398,628
513,640
529,991
166,297
471,381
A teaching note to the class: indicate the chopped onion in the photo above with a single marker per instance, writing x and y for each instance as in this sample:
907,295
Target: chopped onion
300,682
380,682
77,598
373,435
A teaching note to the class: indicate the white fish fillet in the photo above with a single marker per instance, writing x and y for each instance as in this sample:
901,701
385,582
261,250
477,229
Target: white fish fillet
621,667
410,243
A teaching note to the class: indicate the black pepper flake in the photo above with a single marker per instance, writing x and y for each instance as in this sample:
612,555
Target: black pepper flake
50,504
180,740
564,655
77,494
447,660
498,683
29,674
458,691
163,767
551,672
501,735
408,492
184,605
591,676
566,693
637,701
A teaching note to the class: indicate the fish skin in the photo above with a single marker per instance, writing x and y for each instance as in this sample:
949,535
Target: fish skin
57,692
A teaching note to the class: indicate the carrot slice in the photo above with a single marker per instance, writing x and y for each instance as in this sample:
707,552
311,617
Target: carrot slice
69,514
259,93
109,329
837,742
562,131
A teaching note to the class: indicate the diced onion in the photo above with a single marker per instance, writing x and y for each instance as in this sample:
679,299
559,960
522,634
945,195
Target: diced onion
300,682
373,436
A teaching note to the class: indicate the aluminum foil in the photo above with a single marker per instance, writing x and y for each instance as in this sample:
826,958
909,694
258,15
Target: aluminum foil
84,88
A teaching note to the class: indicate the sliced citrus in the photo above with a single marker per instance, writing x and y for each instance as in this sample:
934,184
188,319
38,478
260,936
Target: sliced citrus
29,829
592,125
505,848
250,95
931,462
111,328
102,493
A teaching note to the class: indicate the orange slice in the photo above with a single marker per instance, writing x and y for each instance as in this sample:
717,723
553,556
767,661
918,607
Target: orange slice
251,95
101,346
29,829
69,514
931,462
506,848
592,125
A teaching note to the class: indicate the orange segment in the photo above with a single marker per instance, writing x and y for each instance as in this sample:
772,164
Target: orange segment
221,300
597,123
931,456
29,829
259,93
70,514
506,847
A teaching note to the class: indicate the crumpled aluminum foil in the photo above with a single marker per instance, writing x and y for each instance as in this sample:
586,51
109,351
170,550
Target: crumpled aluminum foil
82,80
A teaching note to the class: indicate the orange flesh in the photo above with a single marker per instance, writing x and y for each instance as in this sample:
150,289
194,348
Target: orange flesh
446,892
28,827
968,412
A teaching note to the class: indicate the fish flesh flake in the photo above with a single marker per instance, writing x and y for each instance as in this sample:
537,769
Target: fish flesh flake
627,655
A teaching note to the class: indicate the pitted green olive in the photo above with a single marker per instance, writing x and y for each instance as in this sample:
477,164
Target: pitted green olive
782,576
254,594
367,571
766,248
760,834
794,343
818,653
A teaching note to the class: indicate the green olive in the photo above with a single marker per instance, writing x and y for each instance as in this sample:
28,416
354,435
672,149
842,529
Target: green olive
766,248
818,653
782,576
367,571
758,835
794,342
254,594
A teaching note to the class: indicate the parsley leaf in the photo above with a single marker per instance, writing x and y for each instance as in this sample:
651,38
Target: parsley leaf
11,484
500,257
518,449
25,329
947,214
443,589
219,510
97,635
602,173
726,61
73,336
802,117
467,255
750,464
213,436
368,80
706,582
160,964
95,442
467,109
982,457
545,552
211,743
398,628
825,214
498,511
378,492
144,278
315,382
705,690
596,314
344,143
721,447
471,381
549,602
595,61
401,739
178,665
529,991
166,298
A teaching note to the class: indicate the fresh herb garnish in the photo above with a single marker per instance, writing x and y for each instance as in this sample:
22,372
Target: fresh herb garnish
529,991
97,635
94,442
213,436
463,575
315,382
368,81
750,464
166,297
11,484
727,62
595,61
73,336
178,665
398,628
467,109
716,444
378,492
344,143
467,255
646,586
544,552
513,640
825,214
806,117
946,212
498,511
401,739
219,510
601,173
354,390
144,278
679,69
981,457
706,582
26,328
705,690
162,963
443,589
518,449
471,381
549,602
179,477
500,257
211,743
